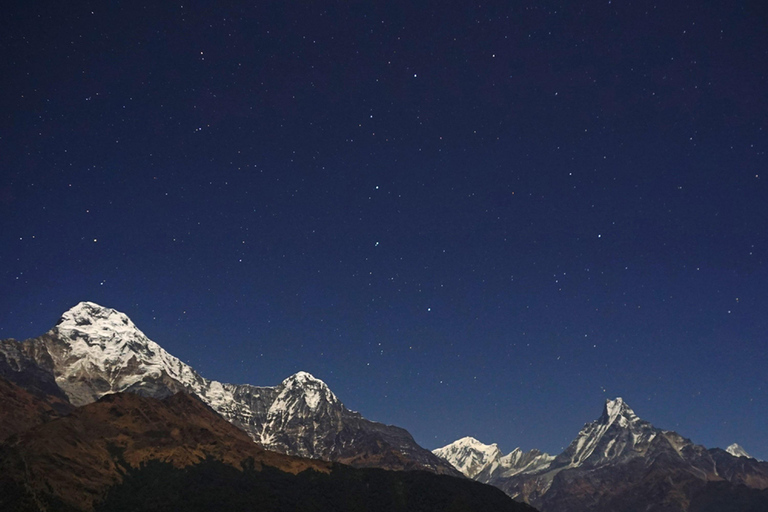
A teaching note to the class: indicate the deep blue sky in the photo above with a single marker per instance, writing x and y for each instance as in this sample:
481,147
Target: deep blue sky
478,220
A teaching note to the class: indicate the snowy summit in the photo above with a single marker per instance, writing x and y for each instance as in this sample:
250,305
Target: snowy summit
617,432
312,392
92,340
737,451
469,455
484,462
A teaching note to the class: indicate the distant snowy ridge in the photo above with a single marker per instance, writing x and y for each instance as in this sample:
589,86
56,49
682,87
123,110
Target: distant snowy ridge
609,464
485,462
618,431
737,451
469,455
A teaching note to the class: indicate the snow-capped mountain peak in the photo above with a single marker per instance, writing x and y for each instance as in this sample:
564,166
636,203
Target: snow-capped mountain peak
312,390
99,350
302,378
97,323
484,462
469,455
737,451
618,432
618,410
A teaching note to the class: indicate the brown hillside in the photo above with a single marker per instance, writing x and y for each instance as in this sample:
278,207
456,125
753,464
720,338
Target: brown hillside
78,457
20,410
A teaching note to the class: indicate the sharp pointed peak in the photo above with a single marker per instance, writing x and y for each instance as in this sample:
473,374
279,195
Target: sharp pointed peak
616,408
737,451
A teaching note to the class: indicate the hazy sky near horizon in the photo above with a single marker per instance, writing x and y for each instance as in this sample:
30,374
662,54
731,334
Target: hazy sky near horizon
468,220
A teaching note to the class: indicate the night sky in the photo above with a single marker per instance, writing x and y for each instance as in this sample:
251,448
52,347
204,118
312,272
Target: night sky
466,219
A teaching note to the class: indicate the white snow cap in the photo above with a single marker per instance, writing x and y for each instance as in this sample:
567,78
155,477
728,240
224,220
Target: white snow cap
302,377
469,455
471,442
737,451
105,337
103,340
474,458
315,390
91,318
618,408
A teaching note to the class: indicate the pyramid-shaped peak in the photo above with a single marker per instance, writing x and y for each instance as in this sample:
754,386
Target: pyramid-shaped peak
737,451
313,390
617,409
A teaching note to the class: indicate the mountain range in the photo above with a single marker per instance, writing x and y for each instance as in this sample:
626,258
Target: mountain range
93,351
127,452
93,414
619,462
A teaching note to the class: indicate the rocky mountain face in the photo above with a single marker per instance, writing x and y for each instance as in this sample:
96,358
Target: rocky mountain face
29,395
29,365
620,462
21,410
94,351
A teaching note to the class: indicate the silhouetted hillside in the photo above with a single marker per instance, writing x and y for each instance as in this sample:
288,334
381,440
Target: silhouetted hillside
213,486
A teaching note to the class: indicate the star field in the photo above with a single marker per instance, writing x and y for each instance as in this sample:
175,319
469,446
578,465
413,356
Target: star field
468,220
